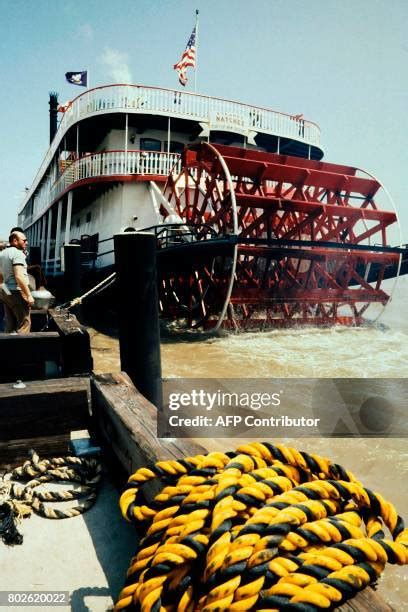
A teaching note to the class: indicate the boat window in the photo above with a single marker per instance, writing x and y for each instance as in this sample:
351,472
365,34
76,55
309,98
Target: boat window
150,144
78,222
88,216
175,147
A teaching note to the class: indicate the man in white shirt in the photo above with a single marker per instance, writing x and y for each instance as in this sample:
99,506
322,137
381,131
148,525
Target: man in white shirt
15,292
3,245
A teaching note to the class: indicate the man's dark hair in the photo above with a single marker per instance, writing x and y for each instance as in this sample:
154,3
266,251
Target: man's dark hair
16,229
14,235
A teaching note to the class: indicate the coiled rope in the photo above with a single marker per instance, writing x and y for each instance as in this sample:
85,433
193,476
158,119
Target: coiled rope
263,528
19,499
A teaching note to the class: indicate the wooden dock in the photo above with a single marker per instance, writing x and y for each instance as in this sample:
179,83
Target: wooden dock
62,349
47,411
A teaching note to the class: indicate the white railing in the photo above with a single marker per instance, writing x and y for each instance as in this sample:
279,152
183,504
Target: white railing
214,112
151,100
108,163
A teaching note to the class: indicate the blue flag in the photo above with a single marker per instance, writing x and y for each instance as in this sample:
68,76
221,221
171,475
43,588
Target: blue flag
77,78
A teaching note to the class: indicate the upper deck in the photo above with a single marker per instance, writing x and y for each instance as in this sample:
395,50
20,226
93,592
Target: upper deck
211,114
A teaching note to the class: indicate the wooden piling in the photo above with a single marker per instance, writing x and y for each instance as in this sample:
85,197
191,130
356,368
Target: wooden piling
35,256
72,271
138,315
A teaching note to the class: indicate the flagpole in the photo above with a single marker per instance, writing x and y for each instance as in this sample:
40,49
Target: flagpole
196,53
88,86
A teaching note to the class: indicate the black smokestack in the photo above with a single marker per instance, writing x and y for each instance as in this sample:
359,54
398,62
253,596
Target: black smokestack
53,114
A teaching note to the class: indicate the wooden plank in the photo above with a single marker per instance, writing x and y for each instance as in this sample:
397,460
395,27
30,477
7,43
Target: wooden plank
10,373
127,423
43,408
27,355
15,452
30,347
367,600
75,343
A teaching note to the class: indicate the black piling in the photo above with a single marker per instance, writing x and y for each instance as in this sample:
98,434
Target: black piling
34,258
72,271
138,312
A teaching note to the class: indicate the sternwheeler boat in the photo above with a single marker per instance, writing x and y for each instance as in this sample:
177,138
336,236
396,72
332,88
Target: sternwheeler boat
253,229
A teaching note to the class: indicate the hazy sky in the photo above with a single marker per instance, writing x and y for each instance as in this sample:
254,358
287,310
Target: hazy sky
342,63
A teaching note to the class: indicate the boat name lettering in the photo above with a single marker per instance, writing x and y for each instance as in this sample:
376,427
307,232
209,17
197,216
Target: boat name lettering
227,121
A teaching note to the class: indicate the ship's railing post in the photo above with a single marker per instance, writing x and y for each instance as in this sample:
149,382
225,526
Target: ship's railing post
138,312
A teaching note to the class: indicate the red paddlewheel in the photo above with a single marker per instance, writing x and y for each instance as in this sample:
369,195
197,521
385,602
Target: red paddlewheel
271,240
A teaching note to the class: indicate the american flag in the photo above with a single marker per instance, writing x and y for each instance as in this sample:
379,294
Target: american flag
187,59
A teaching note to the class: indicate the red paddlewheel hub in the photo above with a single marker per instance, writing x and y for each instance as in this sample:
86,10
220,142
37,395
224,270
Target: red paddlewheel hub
271,240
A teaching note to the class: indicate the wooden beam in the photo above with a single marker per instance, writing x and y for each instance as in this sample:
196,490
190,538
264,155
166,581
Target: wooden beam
29,347
127,423
43,408
15,452
75,343
367,600
25,355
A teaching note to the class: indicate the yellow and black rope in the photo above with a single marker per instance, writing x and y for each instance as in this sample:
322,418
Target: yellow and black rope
21,498
264,528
